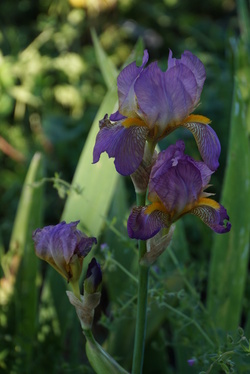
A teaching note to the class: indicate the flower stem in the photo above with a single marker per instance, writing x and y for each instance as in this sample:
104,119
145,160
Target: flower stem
141,319
75,288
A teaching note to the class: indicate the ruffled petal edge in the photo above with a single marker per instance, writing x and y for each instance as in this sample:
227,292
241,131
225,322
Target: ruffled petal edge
206,139
144,224
213,215
125,144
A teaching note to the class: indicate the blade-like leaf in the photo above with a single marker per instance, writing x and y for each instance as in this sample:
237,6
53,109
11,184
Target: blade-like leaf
96,181
108,69
28,218
230,251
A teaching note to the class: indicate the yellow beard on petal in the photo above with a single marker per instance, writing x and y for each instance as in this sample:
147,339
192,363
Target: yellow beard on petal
208,202
128,122
197,118
155,206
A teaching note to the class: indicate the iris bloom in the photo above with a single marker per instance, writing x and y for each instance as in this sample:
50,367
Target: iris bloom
152,104
63,247
176,187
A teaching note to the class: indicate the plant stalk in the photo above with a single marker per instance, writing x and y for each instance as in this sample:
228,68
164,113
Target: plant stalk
141,319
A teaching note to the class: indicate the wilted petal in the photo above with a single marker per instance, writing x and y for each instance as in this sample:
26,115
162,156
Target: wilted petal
140,177
165,98
125,84
206,139
144,225
157,245
195,65
212,214
125,144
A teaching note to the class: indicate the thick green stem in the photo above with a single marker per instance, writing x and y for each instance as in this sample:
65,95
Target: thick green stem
141,319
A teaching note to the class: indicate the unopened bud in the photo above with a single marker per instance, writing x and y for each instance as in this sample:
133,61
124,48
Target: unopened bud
93,279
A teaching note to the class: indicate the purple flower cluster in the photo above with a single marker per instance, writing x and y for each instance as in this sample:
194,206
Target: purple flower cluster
152,104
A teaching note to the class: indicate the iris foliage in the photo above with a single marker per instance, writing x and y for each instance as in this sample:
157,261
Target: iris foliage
58,79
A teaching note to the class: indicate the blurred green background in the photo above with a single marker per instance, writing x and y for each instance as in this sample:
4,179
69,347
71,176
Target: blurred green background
53,79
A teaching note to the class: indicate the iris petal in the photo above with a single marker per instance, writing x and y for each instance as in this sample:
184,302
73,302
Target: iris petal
195,65
144,226
117,116
56,242
177,187
125,144
165,98
125,84
206,139
213,215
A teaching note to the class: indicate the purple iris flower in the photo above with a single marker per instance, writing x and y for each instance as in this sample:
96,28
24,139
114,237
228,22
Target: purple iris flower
63,247
152,104
176,187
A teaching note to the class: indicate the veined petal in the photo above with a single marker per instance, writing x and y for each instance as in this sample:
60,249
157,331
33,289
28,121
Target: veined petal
212,214
206,139
125,84
204,170
165,98
56,242
177,187
195,65
63,247
125,144
144,224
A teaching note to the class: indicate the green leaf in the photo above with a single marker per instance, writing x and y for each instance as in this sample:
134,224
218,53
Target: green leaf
108,69
101,361
28,218
230,251
96,181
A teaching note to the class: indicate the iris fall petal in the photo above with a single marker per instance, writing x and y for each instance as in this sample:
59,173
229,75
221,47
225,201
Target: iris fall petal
125,144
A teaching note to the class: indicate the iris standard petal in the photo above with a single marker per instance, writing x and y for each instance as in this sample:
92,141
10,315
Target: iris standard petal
167,158
63,247
144,222
213,215
125,144
165,98
206,139
204,170
178,188
56,242
125,84
195,65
